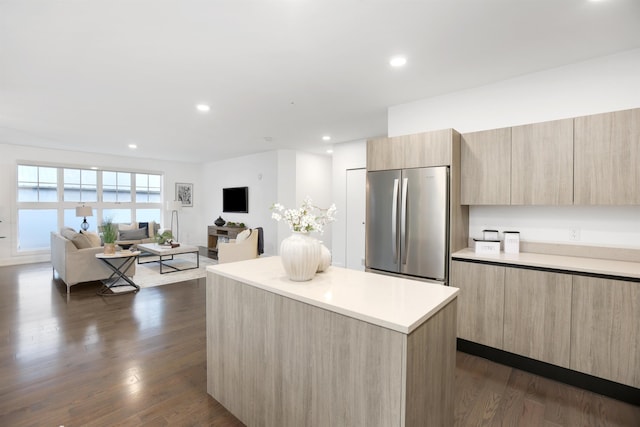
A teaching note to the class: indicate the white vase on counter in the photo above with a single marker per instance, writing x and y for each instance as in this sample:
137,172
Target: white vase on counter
300,254
325,258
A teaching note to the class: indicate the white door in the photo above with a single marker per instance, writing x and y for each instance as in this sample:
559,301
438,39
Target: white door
356,213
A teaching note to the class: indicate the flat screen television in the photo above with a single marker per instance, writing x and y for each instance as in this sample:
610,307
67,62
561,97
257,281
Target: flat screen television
235,199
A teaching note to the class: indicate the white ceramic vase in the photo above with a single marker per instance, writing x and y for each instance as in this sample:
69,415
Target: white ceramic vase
300,254
325,258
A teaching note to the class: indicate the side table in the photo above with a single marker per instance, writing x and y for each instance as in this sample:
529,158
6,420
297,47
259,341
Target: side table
119,263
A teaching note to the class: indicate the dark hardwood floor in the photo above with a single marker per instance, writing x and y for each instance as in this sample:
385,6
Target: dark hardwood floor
140,360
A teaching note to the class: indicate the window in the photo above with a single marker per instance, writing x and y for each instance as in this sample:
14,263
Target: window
148,188
47,197
80,185
116,186
37,184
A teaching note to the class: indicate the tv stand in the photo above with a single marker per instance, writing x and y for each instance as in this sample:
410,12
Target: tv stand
214,232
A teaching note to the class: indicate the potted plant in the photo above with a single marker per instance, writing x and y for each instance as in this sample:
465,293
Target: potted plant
163,238
109,236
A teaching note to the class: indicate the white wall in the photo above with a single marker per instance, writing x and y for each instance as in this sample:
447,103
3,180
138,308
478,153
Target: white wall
283,176
348,155
604,84
259,172
313,179
11,155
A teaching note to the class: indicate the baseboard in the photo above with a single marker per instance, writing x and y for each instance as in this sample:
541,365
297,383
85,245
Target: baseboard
608,388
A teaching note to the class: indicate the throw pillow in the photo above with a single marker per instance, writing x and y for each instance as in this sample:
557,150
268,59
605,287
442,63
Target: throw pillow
81,241
138,234
94,238
132,226
144,225
242,236
68,233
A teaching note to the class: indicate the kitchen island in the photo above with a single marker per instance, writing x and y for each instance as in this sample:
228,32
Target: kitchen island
346,348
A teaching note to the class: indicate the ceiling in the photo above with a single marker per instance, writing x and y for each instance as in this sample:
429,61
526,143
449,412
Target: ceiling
278,74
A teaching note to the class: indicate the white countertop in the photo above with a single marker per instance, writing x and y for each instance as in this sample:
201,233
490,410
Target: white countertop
391,302
557,262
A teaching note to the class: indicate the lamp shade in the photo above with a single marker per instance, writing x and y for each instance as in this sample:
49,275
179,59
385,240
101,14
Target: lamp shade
84,211
173,205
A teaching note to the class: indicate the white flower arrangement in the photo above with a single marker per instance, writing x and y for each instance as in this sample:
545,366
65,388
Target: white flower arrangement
307,218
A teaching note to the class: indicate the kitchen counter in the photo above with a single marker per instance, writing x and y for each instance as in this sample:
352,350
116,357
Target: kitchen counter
391,302
572,264
346,348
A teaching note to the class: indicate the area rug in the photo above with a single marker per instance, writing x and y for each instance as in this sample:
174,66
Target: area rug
148,275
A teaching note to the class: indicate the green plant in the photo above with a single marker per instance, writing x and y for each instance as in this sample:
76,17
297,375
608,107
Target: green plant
163,237
109,231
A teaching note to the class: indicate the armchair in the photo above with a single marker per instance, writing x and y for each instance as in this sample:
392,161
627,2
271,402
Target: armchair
237,250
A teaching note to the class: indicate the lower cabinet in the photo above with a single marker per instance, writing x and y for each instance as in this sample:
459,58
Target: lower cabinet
587,324
605,329
537,315
480,303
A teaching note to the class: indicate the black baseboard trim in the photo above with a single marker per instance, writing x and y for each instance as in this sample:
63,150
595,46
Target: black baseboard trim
608,388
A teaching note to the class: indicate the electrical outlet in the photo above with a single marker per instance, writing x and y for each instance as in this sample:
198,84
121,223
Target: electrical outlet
574,234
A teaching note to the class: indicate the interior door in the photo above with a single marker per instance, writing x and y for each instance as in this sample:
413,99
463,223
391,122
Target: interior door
356,211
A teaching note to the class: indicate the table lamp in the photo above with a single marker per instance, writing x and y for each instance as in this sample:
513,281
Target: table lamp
84,211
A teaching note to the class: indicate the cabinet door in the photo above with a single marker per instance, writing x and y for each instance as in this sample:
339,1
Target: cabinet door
427,149
537,315
542,163
607,155
385,154
485,159
480,302
605,329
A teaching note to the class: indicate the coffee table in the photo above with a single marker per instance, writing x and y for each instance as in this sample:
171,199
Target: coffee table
166,253
119,263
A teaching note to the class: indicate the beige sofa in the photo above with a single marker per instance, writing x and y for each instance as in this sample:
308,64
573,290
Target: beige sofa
75,265
131,234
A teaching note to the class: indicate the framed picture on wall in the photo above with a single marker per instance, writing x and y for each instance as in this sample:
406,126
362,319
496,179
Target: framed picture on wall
184,193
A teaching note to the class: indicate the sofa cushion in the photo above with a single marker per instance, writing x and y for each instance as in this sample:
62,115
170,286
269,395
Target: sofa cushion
94,238
132,226
138,234
243,235
81,241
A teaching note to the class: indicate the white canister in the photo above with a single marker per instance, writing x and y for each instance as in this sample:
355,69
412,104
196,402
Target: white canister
511,242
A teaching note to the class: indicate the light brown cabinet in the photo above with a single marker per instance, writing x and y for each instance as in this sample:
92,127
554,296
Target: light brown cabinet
605,329
607,155
537,315
486,167
410,151
542,163
586,324
480,302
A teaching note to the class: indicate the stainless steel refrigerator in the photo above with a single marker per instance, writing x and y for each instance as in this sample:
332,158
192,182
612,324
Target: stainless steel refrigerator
407,230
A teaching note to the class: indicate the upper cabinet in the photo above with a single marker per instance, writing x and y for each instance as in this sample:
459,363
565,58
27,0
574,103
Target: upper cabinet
410,151
384,154
542,163
607,155
486,164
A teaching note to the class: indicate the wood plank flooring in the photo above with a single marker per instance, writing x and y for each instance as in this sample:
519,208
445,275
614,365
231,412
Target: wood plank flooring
140,360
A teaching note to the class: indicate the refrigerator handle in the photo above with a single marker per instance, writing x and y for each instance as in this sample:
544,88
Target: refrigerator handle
394,220
403,220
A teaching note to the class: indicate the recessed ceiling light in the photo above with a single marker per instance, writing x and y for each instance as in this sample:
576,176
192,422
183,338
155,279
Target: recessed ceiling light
329,151
326,138
133,146
398,61
203,108
95,168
